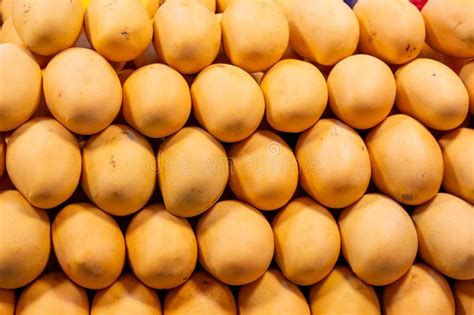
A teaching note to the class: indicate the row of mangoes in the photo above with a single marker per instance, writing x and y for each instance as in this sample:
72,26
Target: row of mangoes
236,245
227,158
117,168
254,34
421,290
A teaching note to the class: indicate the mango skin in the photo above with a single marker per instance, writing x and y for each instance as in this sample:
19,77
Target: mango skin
264,170
235,242
458,153
362,91
378,238
2,155
382,35
432,93
245,104
464,297
82,107
118,170
444,227
295,95
421,290
8,34
126,296
467,76
203,295
335,183
53,294
455,63
25,248
170,245
343,285
254,33
156,100
323,32
272,294
7,302
449,26
151,6
89,245
119,30
47,27
44,162
20,78
6,9
304,225
192,171
406,160
187,35
209,4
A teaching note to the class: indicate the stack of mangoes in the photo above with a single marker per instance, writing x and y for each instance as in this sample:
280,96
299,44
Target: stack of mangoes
252,157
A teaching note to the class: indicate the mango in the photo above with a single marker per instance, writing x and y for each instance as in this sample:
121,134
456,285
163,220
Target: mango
192,171
391,30
187,35
170,245
264,171
323,32
444,227
362,91
49,26
118,170
20,78
89,245
449,26
295,95
333,162
379,240
407,163
53,294
44,162
244,107
255,34
458,153
118,30
82,90
25,246
156,100
126,296
235,242
305,226
432,93
203,295
421,290
343,285
272,294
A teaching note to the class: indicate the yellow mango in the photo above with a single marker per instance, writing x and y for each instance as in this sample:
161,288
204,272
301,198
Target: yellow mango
89,245
25,235
170,245
44,162
125,297
235,242
119,173
203,294
53,294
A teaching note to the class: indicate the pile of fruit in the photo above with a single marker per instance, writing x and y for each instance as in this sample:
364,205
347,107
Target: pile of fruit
252,157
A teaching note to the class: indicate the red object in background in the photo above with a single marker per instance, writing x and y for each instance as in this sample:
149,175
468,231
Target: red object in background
419,3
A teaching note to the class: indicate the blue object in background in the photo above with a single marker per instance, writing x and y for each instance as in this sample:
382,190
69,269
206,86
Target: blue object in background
351,3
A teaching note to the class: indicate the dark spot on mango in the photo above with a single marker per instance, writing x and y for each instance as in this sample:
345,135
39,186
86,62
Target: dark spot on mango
112,161
408,197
